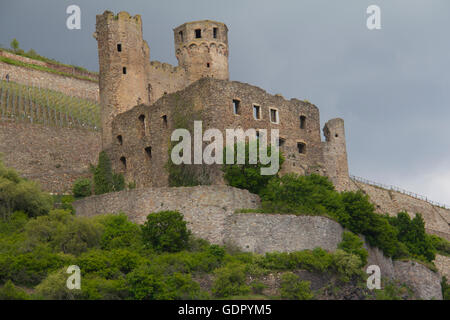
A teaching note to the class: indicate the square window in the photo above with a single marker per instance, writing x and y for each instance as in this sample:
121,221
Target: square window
281,142
256,112
236,107
274,115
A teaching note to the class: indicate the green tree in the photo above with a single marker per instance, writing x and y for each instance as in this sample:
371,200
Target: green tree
230,281
353,244
15,44
166,231
82,188
10,292
294,289
248,176
103,175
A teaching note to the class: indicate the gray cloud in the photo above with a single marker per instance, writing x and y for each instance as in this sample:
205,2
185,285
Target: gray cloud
391,86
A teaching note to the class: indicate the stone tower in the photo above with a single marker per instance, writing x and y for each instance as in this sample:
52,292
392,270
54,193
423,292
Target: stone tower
123,60
335,154
201,48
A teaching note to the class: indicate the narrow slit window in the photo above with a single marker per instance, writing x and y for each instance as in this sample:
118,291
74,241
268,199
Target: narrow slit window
164,120
274,115
301,147
257,112
119,47
120,140
124,70
181,36
142,124
236,107
148,152
208,65
302,122
198,33
123,160
215,33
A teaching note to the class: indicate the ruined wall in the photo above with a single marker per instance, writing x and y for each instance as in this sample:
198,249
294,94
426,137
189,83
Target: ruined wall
53,156
164,78
67,85
211,101
391,202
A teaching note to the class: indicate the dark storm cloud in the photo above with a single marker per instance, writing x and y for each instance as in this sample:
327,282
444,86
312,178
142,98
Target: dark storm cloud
391,85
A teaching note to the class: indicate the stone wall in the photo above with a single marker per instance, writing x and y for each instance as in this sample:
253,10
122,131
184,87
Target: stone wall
55,66
53,156
392,202
67,85
263,233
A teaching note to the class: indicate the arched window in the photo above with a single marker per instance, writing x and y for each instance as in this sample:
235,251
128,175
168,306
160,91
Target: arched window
119,139
301,147
142,125
148,152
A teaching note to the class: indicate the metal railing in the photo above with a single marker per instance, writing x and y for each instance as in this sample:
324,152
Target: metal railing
400,190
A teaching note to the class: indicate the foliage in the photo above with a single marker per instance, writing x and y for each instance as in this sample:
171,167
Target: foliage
10,292
230,281
62,231
294,289
19,194
445,288
119,232
441,245
105,180
248,176
347,265
411,232
14,44
82,188
353,244
166,231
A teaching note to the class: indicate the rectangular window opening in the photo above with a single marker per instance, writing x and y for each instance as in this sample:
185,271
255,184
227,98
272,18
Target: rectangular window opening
302,122
274,115
148,152
181,36
257,112
236,107
198,33
119,47
215,33
124,70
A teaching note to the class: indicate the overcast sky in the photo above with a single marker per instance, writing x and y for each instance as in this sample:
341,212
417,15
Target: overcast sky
391,86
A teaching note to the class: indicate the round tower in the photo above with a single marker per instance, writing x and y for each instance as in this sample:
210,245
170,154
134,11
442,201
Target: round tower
201,48
123,56
335,154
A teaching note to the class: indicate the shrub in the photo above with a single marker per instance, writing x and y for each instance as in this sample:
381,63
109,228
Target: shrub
103,175
166,231
10,292
63,232
119,232
258,287
294,289
353,244
230,281
54,287
347,265
82,188
441,245
18,194
247,176
445,289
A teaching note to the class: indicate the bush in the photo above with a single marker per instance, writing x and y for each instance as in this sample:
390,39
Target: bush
317,260
247,176
297,194
347,265
119,232
10,292
18,194
230,281
441,245
294,289
63,232
166,231
82,188
353,244
54,287
258,287
445,289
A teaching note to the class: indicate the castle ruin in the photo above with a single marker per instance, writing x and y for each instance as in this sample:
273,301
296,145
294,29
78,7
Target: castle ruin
143,101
